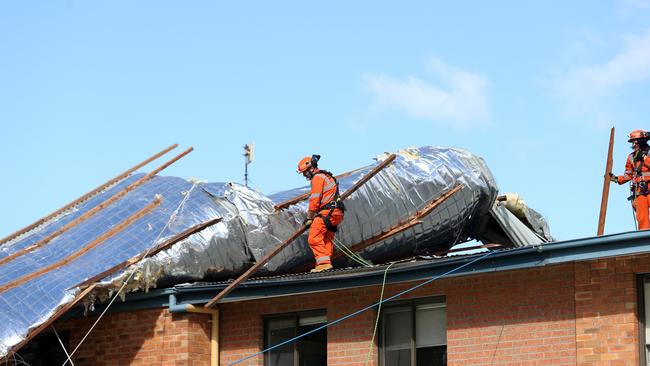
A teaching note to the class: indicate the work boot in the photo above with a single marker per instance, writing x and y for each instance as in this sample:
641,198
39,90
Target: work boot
321,268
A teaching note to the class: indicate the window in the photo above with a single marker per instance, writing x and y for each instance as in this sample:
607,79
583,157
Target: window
307,351
414,333
644,322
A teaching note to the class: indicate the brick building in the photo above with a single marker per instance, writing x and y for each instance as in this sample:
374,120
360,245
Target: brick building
565,303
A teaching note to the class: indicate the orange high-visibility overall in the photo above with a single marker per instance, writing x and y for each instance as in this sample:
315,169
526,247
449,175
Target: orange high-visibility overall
323,191
641,202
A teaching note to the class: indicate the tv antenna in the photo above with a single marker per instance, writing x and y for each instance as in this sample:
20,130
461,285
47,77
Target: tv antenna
249,155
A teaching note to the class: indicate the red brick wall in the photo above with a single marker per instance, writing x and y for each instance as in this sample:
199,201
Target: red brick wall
242,325
146,337
582,313
606,310
511,318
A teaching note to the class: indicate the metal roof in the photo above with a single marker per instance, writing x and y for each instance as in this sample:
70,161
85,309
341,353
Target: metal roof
614,245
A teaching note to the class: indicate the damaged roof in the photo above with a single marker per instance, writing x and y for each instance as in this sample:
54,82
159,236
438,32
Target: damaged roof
146,230
414,269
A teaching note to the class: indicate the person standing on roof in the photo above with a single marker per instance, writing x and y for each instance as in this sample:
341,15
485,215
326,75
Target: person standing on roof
637,172
325,211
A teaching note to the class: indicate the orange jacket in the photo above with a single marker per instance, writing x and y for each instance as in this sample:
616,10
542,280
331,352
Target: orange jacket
323,190
631,170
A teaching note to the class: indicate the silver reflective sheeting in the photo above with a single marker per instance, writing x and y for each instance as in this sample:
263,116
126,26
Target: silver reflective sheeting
520,234
249,229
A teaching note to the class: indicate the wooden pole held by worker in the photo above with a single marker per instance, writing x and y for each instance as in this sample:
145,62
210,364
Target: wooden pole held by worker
606,182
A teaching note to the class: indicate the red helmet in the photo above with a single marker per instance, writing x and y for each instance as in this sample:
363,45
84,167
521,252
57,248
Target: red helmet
307,162
638,135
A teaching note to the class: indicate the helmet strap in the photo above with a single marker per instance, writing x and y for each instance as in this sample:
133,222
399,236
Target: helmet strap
309,173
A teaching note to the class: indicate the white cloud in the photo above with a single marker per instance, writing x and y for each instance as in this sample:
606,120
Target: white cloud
585,87
460,100
642,4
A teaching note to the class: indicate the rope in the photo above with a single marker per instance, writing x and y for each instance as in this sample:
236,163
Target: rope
62,345
359,259
15,361
350,254
374,332
364,309
171,219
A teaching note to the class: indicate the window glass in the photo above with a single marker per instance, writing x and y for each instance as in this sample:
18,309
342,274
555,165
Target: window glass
397,336
310,319
432,356
646,301
414,334
310,350
430,325
280,330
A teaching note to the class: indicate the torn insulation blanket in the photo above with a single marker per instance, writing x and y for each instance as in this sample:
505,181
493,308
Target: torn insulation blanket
250,227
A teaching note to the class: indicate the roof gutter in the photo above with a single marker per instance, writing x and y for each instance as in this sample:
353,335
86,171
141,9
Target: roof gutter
629,243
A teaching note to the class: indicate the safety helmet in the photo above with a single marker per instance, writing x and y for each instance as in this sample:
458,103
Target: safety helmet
638,135
307,162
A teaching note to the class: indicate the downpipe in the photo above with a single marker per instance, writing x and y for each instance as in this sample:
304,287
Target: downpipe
174,307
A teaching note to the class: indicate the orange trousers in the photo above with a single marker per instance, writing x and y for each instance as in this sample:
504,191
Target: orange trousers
320,239
641,204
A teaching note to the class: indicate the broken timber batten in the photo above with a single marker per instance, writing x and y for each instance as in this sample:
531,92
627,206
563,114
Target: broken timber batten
104,236
162,246
94,210
118,178
407,224
295,235
302,197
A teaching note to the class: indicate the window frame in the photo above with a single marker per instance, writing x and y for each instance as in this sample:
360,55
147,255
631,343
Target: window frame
641,280
296,315
413,304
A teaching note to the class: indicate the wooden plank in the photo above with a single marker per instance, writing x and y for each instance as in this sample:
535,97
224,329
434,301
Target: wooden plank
85,249
605,196
367,177
86,196
415,219
94,210
293,237
36,331
171,241
304,196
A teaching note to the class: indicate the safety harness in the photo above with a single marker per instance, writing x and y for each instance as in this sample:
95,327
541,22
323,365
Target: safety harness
640,187
335,203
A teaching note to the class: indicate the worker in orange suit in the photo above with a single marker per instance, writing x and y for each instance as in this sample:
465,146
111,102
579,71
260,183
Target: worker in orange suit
325,211
637,172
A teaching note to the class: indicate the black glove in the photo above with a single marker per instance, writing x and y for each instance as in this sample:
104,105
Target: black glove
613,178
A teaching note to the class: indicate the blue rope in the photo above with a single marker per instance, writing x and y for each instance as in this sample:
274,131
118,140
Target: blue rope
362,310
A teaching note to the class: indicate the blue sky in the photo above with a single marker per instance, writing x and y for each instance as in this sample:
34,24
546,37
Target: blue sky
90,88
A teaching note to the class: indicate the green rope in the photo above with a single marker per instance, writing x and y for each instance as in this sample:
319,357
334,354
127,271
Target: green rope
381,298
350,254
